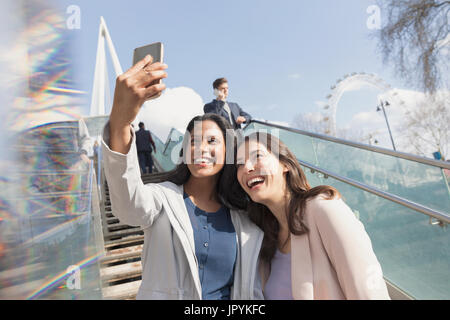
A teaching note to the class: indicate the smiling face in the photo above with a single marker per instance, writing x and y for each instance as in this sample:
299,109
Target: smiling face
260,173
206,149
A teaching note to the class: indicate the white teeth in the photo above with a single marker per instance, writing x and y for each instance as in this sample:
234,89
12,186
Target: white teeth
203,160
253,181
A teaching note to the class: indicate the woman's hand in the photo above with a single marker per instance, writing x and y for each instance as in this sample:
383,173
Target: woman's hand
133,88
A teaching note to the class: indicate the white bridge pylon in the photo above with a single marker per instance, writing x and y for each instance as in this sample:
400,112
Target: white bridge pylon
100,88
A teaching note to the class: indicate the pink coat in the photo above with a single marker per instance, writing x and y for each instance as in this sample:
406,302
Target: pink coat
335,260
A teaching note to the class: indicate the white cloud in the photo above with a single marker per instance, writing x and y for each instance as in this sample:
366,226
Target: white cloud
174,109
357,84
370,120
294,76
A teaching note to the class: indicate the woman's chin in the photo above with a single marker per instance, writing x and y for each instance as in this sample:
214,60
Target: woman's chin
256,197
204,171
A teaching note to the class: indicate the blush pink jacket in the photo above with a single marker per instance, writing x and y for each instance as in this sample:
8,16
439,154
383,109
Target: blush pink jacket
335,259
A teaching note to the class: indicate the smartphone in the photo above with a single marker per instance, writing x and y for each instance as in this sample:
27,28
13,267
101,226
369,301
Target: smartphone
156,50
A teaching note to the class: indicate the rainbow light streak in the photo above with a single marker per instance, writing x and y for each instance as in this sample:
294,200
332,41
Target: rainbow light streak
62,276
50,94
51,206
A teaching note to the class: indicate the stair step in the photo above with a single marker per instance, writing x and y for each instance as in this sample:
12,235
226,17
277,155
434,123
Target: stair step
118,226
121,271
112,220
122,254
124,241
123,233
122,291
109,214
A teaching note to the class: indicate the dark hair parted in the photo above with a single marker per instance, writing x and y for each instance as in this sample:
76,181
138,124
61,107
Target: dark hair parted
296,184
218,82
180,175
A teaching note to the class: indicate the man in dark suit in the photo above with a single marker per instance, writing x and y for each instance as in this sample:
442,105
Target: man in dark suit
229,110
144,143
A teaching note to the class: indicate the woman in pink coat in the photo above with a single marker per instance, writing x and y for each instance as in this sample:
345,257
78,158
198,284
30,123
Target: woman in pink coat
314,247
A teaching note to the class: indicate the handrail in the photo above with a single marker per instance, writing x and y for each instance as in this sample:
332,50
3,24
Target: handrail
407,156
399,200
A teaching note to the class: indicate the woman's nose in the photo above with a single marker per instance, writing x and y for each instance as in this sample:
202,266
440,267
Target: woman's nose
204,147
249,166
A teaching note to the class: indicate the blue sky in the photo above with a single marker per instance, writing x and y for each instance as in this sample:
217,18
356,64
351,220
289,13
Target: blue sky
280,57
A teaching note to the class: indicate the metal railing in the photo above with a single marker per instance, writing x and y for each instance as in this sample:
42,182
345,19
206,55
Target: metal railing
442,218
402,155
399,200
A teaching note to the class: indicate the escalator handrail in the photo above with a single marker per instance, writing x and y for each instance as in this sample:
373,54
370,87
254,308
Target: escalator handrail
402,155
399,200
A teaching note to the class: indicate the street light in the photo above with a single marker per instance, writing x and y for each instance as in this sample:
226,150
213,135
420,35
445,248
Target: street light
382,105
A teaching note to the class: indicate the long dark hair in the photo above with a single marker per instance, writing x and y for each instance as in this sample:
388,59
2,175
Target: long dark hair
180,175
296,183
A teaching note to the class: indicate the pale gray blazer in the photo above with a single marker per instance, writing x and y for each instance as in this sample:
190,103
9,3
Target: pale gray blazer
169,264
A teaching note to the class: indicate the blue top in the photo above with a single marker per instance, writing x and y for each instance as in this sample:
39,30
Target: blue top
279,285
215,248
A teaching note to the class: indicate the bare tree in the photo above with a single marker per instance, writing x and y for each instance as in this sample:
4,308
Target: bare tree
427,127
312,122
415,38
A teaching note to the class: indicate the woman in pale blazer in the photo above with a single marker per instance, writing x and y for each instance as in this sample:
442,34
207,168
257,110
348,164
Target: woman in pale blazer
194,247
314,247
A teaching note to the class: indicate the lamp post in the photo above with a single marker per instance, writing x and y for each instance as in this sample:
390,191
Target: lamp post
382,105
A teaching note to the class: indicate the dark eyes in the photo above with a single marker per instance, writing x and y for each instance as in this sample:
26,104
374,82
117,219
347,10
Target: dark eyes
212,140
254,158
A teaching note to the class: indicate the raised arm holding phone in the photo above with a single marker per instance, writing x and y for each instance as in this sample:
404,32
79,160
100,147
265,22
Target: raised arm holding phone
194,246
132,90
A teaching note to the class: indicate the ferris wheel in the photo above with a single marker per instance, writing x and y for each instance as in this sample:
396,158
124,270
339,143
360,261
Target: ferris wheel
347,84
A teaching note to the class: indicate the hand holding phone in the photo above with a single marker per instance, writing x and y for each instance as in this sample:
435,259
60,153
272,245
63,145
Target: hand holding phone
139,83
156,51
219,94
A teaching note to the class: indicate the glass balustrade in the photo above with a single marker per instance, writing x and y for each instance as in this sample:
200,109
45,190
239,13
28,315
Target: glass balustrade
167,154
50,230
418,182
414,255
